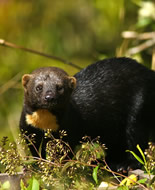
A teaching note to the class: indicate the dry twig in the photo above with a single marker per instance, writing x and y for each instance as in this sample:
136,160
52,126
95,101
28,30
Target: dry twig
11,45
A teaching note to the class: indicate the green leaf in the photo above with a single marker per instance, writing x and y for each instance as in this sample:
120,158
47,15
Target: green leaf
137,157
142,181
22,186
95,174
6,185
143,22
33,184
123,187
141,152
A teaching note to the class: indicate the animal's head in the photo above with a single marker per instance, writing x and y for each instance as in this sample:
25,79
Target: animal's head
47,88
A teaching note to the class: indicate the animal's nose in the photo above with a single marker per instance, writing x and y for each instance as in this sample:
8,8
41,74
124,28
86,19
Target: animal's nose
49,96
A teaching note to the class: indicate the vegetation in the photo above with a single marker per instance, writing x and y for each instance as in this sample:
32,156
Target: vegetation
86,170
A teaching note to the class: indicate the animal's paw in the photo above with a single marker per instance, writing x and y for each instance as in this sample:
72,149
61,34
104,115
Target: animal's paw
127,166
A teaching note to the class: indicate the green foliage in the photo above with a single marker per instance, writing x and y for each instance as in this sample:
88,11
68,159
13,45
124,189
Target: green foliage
33,184
149,162
5,185
10,157
150,157
142,181
59,171
91,150
64,169
123,188
95,171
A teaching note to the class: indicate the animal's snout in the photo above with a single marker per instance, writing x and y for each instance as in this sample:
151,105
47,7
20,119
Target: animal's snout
49,96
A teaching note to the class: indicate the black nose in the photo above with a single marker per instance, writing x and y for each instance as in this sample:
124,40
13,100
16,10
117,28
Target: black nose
49,96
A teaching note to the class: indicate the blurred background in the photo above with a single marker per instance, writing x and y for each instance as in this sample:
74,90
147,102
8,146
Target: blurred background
80,31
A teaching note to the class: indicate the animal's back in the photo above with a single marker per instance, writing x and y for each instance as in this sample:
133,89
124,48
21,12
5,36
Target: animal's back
114,99
112,85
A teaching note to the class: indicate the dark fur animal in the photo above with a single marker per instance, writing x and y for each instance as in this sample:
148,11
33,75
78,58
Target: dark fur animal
113,99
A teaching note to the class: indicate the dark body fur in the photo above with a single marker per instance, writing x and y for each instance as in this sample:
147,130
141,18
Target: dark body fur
113,99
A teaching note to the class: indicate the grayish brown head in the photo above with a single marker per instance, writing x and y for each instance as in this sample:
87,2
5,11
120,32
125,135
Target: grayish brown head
47,88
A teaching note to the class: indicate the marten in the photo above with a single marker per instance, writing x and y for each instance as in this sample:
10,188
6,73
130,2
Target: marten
112,98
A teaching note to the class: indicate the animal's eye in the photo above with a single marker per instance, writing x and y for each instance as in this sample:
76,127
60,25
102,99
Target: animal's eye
39,88
60,88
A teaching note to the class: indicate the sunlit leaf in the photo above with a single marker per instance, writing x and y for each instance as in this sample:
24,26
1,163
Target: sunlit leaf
6,185
123,188
33,184
129,180
95,170
141,152
22,186
137,157
142,181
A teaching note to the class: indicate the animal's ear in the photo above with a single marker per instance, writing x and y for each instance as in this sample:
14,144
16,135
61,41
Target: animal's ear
25,80
72,82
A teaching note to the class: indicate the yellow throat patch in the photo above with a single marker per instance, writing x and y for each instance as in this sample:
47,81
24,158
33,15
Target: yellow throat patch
43,119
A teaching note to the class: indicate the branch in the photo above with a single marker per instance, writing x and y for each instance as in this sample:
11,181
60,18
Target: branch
11,45
140,36
141,47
